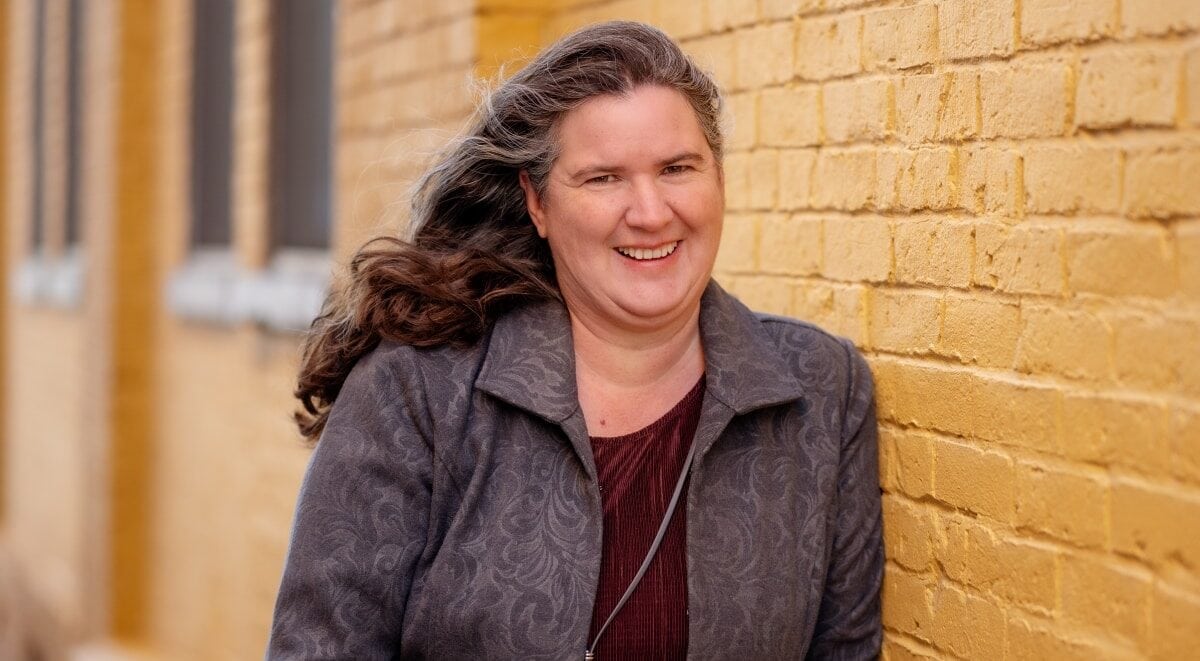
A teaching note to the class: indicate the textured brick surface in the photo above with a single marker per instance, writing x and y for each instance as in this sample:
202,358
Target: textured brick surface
976,28
937,107
829,47
1045,22
1129,86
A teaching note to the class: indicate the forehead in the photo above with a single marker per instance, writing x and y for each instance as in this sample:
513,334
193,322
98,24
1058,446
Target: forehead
648,122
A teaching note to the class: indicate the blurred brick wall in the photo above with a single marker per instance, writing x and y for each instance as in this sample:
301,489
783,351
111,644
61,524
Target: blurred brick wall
997,200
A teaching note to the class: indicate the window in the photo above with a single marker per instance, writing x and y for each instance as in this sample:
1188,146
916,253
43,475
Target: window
212,122
37,136
74,124
301,140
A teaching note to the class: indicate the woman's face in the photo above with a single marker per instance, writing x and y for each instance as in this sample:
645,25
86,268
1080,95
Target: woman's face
632,208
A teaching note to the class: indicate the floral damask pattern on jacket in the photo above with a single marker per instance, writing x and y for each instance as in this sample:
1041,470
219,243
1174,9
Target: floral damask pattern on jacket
451,509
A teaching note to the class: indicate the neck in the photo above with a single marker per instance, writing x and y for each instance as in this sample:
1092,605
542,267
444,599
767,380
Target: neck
634,359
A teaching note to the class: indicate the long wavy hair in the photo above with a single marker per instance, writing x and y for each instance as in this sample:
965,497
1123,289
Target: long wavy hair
473,251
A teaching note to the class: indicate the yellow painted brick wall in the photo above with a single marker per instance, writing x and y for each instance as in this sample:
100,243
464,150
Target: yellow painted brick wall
999,202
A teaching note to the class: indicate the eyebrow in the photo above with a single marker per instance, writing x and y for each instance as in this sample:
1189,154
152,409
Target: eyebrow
590,170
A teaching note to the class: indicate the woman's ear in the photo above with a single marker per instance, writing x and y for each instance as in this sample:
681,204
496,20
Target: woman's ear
533,203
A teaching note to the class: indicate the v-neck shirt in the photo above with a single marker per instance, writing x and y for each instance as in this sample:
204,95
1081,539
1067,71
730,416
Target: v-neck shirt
637,475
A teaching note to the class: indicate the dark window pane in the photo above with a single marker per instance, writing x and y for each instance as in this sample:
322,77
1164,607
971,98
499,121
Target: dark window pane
301,145
74,121
212,121
37,137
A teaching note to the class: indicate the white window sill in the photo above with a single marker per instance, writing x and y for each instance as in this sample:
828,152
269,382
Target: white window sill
55,282
285,296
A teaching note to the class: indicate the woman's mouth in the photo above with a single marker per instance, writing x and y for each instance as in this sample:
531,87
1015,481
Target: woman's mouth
644,254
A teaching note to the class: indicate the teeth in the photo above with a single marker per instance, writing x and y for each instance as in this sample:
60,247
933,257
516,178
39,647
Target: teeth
649,253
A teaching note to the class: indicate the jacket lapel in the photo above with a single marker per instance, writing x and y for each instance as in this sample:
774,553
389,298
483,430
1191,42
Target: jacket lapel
530,364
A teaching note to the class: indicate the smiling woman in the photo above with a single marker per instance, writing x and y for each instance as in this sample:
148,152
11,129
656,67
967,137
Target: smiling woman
544,432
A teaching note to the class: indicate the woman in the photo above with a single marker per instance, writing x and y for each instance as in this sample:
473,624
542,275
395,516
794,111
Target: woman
545,433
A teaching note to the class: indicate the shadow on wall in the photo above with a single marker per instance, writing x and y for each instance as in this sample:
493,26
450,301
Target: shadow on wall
28,632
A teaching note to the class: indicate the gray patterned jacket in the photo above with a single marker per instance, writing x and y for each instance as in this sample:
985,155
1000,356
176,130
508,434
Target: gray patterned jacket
450,510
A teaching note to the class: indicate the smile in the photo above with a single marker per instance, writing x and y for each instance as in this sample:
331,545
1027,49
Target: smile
649,253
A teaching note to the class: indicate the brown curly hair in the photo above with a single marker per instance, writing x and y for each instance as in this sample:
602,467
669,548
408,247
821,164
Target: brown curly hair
474,252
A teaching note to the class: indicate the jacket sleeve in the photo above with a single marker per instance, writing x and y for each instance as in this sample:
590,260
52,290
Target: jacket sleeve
849,624
360,526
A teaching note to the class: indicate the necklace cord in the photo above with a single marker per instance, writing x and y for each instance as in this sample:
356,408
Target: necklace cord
589,653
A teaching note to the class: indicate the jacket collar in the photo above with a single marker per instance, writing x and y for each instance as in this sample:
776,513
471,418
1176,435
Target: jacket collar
530,360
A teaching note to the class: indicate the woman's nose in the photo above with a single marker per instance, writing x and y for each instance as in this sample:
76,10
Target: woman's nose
648,208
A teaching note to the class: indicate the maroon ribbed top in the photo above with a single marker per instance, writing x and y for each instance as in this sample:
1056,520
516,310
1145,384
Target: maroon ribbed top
638,472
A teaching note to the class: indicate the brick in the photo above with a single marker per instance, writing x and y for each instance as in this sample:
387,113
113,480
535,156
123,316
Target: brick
1104,595
1187,243
956,402
725,14
680,20
992,181
1150,17
717,54
953,545
785,8
1025,100
829,47
1116,430
979,481
1185,442
1162,184
1068,505
900,37
934,252
743,108
764,178
976,28
1028,638
967,625
857,249
790,246
1156,522
795,178
1192,100
765,54
904,321
1016,571
887,460
1047,22
898,649
1074,344
1071,179
856,110
909,533
1128,87
937,107
839,309
1175,619
914,463
1120,259
790,116
842,179
978,331
738,252
1147,350
737,180
766,293
925,178
1025,260
908,603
